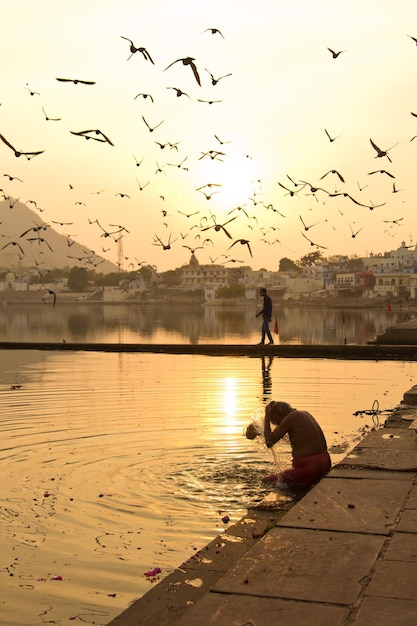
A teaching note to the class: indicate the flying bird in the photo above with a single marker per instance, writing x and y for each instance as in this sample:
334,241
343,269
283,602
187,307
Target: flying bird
214,80
179,165
179,92
159,169
207,195
188,61
150,128
39,240
213,154
144,96
209,185
361,188
18,153
312,242
381,172
243,242
209,101
290,192
314,189
32,93
138,163
188,214
11,202
13,243
76,81
100,136
106,233
213,31
331,139
142,187
192,250
13,177
381,153
165,246
393,221
220,141
50,119
347,195
335,54
218,227
238,208
305,226
342,180
134,49
354,233
36,229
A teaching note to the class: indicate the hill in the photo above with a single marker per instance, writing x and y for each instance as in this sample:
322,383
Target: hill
41,246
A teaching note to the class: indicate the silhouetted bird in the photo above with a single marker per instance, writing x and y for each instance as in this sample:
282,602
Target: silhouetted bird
76,81
134,49
144,96
188,61
18,153
243,242
331,139
381,153
335,54
214,81
213,31
150,128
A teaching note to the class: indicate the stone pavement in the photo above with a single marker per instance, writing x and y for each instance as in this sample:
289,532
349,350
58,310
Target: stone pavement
345,553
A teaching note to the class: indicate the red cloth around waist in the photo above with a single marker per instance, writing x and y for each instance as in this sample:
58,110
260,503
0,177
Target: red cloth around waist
307,470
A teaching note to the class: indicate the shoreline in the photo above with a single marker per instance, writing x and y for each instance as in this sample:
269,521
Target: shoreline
351,529
12,298
378,350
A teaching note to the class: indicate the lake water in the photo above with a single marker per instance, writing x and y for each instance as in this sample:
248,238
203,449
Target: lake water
191,324
113,464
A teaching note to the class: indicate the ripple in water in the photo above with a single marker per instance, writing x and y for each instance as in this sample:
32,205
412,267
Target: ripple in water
114,464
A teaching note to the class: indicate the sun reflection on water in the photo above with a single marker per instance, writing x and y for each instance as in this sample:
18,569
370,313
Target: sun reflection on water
120,463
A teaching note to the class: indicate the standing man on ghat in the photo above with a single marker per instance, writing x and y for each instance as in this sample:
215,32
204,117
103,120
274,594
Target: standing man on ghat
266,313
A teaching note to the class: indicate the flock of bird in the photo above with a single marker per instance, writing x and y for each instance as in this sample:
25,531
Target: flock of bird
226,231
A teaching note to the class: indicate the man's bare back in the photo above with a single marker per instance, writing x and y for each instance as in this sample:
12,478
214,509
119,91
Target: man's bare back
306,436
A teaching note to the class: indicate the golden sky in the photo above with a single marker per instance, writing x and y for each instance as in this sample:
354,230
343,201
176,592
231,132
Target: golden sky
283,110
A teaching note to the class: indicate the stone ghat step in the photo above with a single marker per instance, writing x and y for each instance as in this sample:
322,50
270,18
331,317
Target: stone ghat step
343,553
402,333
344,351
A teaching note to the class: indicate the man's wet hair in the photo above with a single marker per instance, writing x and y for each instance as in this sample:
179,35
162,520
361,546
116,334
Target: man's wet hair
280,410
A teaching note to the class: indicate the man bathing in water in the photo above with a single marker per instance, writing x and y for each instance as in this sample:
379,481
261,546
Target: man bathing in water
311,460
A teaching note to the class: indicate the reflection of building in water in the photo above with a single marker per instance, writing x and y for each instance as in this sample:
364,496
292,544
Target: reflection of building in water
266,377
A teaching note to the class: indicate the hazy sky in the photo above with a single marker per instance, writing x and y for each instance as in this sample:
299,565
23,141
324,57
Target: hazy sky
268,120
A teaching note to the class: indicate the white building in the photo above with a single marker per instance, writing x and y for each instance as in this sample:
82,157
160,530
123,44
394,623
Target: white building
394,285
404,258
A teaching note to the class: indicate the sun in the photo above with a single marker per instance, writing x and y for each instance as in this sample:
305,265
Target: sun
231,182
238,179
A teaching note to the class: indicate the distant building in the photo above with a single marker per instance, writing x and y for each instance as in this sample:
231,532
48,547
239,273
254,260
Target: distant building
394,285
404,259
